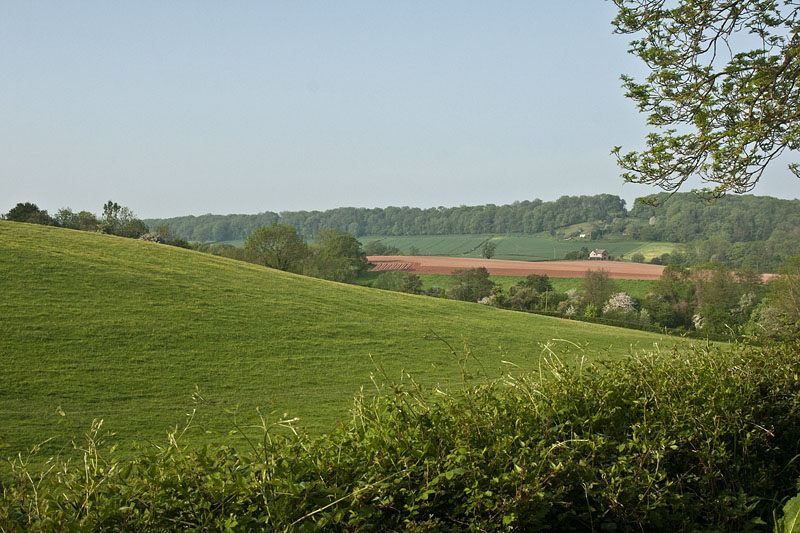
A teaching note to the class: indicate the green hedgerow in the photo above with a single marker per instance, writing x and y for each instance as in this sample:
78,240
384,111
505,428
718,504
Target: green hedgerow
682,440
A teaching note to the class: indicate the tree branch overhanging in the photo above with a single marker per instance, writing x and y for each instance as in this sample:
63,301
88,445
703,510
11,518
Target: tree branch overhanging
722,119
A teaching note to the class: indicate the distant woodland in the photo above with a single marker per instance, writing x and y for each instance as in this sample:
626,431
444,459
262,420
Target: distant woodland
682,218
757,232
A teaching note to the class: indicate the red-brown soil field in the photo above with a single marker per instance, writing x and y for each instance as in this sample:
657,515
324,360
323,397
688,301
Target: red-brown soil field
502,267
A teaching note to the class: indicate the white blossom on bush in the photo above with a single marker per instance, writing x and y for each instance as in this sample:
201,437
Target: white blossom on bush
620,302
572,294
487,300
746,301
150,236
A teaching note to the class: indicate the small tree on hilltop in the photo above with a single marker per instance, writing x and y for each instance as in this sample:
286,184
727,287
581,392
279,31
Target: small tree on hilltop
337,256
277,246
30,213
84,220
119,220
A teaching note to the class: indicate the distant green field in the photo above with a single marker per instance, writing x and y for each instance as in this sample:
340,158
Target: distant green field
98,326
654,249
540,247
449,245
520,247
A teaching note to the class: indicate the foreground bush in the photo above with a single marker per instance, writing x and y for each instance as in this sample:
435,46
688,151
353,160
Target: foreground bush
687,440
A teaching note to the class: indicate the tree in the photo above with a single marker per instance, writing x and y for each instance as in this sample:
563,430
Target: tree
378,248
535,292
722,91
83,220
277,246
540,283
671,304
470,284
30,213
400,281
674,286
133,229
597,288
785,295
119,220
717,294
488,248
336,256
523,298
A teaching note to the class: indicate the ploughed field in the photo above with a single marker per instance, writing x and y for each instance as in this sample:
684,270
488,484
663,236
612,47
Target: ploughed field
503,267
140,334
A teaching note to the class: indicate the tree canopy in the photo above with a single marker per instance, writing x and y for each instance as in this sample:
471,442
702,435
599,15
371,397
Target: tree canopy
470,284
722,93
337,256
277,246
29,212
119,220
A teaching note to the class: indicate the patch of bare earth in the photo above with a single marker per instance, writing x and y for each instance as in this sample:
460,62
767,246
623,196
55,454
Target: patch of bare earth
503,267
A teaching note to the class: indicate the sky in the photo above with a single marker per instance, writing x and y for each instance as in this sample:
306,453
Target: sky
193,107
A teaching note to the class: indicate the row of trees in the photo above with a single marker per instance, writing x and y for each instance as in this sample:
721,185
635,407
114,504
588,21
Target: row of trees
683,218
334,255
115,220
520,217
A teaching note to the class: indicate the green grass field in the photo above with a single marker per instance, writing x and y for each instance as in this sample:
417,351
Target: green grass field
538,247
98,326
654,249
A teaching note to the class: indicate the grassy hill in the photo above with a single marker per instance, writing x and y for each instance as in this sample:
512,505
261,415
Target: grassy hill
97,326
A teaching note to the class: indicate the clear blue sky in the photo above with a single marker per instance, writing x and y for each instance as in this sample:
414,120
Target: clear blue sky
175,108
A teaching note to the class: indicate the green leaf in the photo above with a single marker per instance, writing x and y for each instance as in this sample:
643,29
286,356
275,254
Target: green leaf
791,516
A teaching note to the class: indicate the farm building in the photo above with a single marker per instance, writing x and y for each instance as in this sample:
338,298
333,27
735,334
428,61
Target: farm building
598,254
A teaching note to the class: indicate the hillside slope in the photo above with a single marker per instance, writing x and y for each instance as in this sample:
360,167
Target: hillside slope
98,326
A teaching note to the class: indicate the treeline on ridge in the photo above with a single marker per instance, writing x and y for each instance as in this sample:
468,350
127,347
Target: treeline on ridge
520,217
680,218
